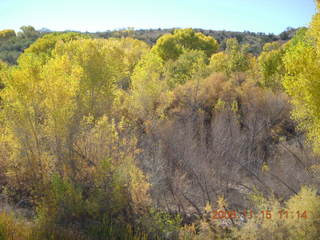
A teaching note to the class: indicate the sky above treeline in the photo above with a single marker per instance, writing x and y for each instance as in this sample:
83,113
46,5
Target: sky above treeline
269,16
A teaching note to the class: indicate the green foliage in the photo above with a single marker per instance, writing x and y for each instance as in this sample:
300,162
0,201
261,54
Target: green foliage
27,32
13,45
175,59
189,65
3,65
108,193
163,225
271,64
7,34
171,46
45,44
219,62
12,227
239,60
130,53
234,59
148,84
3,68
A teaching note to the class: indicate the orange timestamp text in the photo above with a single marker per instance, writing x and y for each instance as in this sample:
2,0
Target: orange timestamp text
264,214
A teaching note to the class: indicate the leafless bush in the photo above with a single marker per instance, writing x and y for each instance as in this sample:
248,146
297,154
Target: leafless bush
223,137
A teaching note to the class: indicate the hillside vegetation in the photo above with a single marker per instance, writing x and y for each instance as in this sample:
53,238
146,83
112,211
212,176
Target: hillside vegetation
12,44
160,135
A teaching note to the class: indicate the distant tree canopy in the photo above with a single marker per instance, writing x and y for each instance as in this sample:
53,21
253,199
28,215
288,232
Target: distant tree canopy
171,46
42,48
234,59
28,32
7,34
271,64
14,44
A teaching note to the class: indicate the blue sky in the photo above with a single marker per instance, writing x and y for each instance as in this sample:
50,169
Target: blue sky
269,16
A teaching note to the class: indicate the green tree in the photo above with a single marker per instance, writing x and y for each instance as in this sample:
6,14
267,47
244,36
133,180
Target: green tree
27,32
7,34
148,83
130,52
3,67
271,65
239,59
42,48
171,46
190,64
234,59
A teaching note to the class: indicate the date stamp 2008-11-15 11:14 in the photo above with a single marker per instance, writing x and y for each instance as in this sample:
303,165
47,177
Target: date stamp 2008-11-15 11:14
265,214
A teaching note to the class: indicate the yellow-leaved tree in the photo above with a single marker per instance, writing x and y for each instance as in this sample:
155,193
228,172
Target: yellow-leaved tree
171,46
65,152
301,81
173,60
3,68
271,65
7,34
234,59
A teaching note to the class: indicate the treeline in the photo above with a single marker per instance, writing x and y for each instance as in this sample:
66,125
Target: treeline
12,44
116,139
255,40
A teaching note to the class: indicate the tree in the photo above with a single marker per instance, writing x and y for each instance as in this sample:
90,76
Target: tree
171,46
11,46
234,59
81,74
130,52
190,64
7,34
301,62
3,67
28,32
239,59
219,62
43,46
147,85
76,159
271,65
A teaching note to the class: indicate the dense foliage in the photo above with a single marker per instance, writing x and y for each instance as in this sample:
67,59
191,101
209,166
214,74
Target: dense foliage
103,136
13,44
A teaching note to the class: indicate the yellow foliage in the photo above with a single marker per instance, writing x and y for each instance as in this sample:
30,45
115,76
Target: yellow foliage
297,219
271,65
12,227
222,204
171,46
6,34
301,62
147,84
234,59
